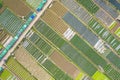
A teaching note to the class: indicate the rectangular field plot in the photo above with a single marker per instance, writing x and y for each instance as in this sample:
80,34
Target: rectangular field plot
78,59
112,73
66,48
107,8
30,64
49,33
113,58
88,51
39,42
58,8
19,70
10,22
3,36
34,3
89,5
73,6
7,75
80,28
55,71
65,65
54,21
21,9
105,35
104,17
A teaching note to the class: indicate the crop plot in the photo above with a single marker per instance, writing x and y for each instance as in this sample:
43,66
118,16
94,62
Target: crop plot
64,64
68,50
80,28
104,17
77,10
54,21
55,6
34,3
19,70
10,22
89,5
104,34
17,6
30,64
107,8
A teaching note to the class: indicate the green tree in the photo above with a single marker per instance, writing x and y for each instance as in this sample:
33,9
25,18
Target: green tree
1,4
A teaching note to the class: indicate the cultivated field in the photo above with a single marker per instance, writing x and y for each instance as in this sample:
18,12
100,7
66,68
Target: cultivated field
58,9
89,5
33,3
107,8
54,21
67,49
17,6
3,36
64,64
7,75
72,21
30,64
10,22
81,45
74,7
105,35
104,17
112,73
18,69
49,33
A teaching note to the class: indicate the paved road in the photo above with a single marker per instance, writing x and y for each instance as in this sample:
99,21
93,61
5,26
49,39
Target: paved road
25,32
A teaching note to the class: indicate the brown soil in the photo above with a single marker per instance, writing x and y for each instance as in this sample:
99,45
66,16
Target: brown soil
64,64
17,6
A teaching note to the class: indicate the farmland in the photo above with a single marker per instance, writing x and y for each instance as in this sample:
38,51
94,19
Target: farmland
7,75
10,22
55,6
68,50
19,70
33,3
18,7
30,64
105,35
104,17
107,8
77,10
89,5
54,21
88,51
80,28
65,65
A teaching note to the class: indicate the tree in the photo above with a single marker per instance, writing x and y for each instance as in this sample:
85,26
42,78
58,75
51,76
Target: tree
1,4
